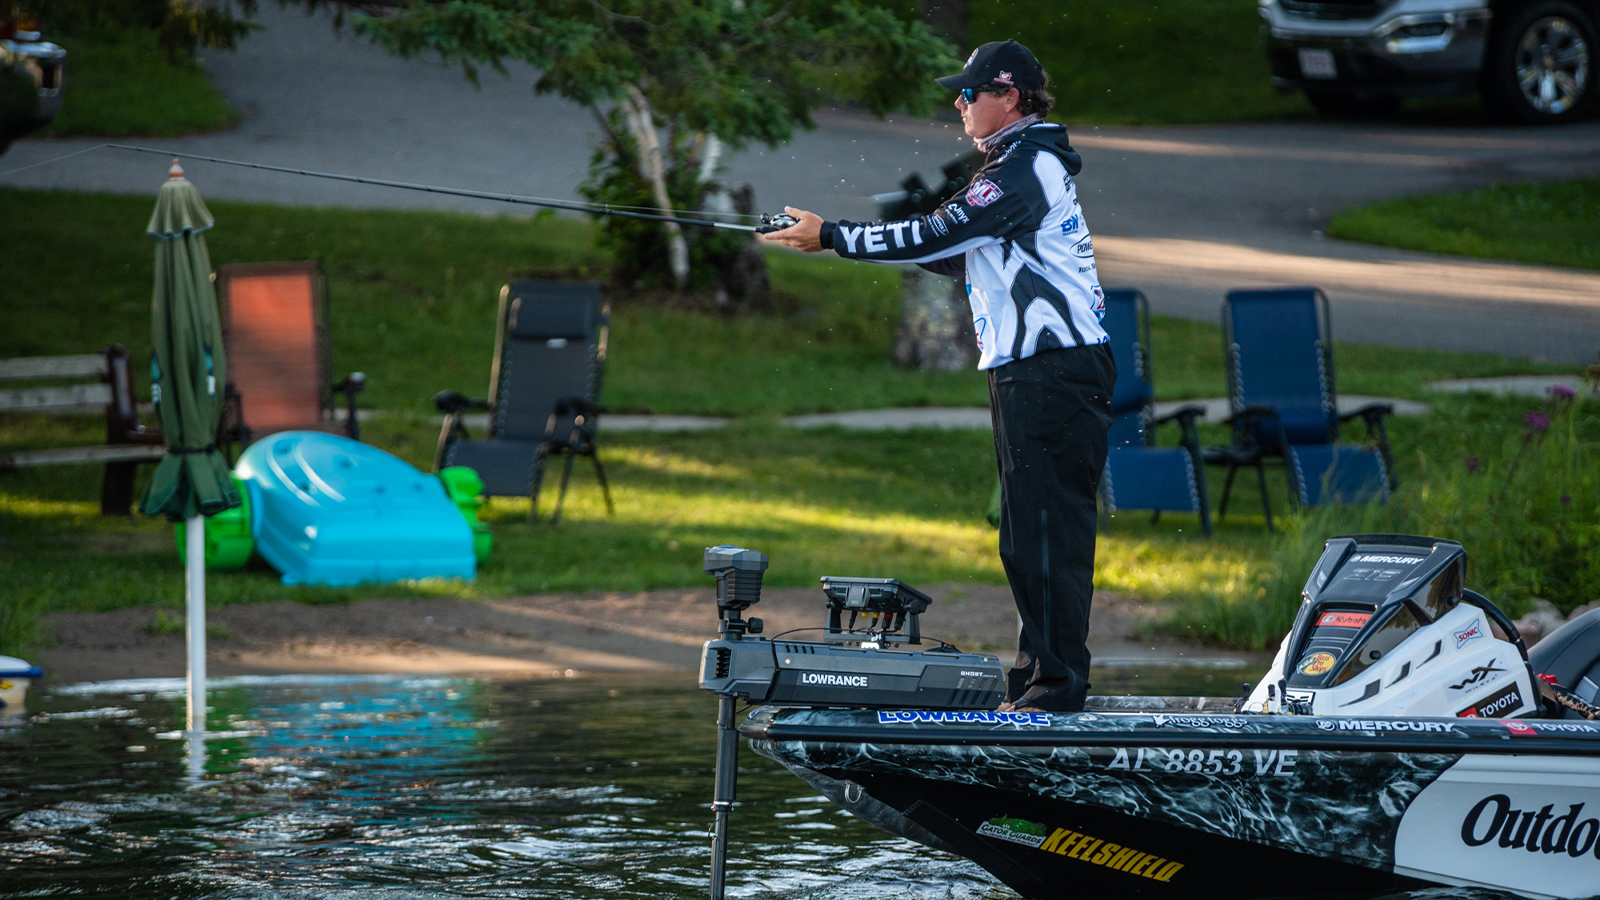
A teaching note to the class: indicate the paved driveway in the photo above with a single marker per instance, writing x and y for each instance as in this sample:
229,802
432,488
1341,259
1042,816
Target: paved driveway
1183,213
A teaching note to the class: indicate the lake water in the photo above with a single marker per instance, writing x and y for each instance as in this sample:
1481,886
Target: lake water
335,787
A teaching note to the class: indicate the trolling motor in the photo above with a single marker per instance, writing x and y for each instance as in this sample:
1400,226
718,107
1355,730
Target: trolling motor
880,664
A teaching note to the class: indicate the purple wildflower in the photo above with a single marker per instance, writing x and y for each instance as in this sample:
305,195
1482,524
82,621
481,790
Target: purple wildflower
1566,499
1472,464
1536,421
1561,392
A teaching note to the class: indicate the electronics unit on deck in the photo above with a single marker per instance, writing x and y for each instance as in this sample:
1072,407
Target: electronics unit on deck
874,659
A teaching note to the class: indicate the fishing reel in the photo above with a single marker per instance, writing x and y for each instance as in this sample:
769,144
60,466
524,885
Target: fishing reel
775,222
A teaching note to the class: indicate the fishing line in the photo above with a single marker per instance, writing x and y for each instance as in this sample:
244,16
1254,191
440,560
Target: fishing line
57,159
594,209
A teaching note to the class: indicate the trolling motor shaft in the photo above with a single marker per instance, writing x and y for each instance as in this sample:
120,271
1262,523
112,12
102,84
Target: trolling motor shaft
738,573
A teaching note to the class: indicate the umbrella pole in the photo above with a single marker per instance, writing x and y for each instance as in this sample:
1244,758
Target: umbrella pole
195,551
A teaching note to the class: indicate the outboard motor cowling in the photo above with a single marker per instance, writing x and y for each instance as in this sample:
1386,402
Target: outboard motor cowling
1386,628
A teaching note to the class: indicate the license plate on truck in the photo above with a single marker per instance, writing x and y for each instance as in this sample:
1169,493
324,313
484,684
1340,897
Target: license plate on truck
1317,63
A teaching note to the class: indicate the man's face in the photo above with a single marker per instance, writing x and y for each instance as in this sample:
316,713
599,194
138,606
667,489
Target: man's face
987,113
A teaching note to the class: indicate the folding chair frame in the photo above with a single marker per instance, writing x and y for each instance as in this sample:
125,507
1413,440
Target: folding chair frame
1247,449
580,441
235,432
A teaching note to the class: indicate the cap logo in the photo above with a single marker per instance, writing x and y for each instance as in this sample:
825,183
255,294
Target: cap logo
1003,78
972,57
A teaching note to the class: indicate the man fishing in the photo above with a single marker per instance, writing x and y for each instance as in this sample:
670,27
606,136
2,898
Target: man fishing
1018,235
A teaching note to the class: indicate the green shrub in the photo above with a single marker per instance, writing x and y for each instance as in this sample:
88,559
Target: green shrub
1519,488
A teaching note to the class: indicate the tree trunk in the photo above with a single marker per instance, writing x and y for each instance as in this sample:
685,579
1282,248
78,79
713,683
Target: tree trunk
935,323
641,121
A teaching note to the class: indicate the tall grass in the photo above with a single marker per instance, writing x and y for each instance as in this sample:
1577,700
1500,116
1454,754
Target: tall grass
1518,487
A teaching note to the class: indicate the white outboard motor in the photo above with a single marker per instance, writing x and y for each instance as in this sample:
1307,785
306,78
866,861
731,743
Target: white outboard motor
1386,629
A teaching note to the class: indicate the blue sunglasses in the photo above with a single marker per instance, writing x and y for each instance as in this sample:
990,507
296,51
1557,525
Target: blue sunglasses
968,95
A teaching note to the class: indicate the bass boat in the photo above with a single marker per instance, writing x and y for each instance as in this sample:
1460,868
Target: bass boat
1404,738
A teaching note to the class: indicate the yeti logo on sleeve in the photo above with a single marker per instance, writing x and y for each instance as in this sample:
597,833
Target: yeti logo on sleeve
983,192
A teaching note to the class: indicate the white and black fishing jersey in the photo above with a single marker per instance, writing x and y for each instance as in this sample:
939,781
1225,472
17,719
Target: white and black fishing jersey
1019,234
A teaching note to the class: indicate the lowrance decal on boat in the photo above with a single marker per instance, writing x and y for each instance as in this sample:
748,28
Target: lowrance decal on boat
1529,823
951,717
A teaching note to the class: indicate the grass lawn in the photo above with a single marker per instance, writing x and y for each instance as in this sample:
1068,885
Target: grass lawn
1555,223
120,84
421,287
1143,62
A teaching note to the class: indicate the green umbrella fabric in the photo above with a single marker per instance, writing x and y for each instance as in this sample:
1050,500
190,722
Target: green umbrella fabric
187,365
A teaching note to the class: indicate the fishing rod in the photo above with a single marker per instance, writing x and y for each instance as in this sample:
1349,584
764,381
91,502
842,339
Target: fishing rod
769,223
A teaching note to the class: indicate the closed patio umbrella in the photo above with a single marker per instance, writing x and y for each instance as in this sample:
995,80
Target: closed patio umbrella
188,371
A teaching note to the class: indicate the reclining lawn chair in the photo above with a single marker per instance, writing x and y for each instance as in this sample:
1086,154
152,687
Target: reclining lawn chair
275,334
1138,474
549,360
1279,349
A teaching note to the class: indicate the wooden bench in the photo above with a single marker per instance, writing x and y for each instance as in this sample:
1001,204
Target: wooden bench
105,386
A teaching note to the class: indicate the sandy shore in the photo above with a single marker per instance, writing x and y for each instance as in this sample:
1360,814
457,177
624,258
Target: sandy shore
527,636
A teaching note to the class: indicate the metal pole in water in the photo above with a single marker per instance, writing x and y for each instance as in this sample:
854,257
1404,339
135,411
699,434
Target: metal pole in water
722,796
195,551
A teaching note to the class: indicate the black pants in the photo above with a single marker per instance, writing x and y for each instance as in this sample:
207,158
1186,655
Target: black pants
1051,411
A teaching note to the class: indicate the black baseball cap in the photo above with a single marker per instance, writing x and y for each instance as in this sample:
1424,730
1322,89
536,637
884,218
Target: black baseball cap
998,62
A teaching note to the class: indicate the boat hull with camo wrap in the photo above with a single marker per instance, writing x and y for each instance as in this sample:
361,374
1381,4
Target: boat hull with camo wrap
1193,800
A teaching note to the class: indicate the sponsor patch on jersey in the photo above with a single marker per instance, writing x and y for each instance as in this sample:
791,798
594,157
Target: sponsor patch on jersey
1099,301
1470,633
1084,248
1495,705
938,225
1317,664
1072,225
1343,619
983,192
957,214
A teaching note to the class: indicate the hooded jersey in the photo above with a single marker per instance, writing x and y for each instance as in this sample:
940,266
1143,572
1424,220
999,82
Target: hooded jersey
1029,261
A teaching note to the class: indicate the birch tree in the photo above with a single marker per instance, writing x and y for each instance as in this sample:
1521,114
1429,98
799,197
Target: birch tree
680,77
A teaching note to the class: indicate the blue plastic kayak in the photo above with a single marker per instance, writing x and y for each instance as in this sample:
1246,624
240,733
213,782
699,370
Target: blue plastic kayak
329,510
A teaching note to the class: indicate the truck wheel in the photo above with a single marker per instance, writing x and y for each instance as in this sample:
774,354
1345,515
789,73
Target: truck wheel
1538,68
1351,104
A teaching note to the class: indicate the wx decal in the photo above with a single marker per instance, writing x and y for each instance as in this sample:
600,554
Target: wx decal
1480,675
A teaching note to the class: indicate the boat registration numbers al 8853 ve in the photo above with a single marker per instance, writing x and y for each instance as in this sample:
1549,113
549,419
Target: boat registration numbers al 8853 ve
1243,763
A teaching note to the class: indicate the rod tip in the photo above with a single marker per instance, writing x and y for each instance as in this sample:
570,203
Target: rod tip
176,171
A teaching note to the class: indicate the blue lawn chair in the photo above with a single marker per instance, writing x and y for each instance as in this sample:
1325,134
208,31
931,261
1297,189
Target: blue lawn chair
1138,474
1279,349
